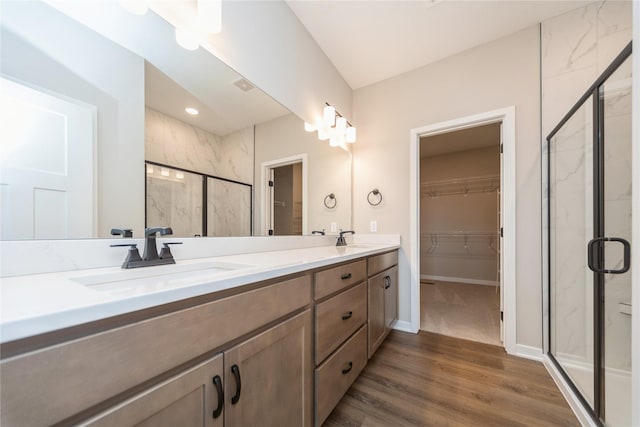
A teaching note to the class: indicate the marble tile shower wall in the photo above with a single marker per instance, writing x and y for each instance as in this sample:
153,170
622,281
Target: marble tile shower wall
576,48
172,142
176,143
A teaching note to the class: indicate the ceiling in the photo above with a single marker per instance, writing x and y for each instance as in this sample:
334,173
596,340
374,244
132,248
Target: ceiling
373,40
460,140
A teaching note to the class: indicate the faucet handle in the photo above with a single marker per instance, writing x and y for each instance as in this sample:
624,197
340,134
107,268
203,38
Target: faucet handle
151,232
124,232
133,256
165,252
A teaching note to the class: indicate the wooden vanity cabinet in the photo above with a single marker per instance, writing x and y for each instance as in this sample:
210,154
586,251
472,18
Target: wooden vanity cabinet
382,294
340,333
265,381
266,331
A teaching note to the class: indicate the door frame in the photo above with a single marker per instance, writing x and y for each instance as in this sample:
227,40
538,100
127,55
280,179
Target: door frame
265,171
507,117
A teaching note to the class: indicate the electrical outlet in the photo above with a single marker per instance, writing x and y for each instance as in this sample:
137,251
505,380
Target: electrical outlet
373,226
334,227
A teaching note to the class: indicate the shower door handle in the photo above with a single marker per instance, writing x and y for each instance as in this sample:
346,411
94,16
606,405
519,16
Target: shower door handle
593,248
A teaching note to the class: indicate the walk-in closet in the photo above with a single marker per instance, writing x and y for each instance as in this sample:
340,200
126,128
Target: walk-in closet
460,233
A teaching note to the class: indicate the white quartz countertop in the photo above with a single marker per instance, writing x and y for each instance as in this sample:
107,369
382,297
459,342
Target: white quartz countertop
35,304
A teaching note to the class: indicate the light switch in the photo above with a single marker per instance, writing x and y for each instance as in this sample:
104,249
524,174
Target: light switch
334,227
373,226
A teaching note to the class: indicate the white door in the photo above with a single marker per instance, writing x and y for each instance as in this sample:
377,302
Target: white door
46,165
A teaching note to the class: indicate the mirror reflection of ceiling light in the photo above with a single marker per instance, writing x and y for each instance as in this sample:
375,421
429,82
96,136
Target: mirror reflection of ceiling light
192,111
187,39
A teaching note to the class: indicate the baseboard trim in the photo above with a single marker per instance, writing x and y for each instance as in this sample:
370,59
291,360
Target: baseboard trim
580,412
459,280
401,325
528,352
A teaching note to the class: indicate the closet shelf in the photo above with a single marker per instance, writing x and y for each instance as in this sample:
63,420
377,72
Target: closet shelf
450,187
452,234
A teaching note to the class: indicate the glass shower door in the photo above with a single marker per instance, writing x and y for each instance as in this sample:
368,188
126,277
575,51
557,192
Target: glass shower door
571,228
589,166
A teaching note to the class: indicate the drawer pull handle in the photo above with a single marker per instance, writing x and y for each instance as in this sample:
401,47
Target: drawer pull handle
236,374
346,276
387,282
347,316
218,383
346,371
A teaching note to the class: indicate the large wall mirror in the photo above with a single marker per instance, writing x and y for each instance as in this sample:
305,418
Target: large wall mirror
96,136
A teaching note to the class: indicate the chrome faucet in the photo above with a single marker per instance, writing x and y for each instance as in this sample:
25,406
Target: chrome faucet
341,241
150,255
318,232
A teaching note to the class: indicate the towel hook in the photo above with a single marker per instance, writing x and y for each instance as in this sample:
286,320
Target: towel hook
328,199
376,193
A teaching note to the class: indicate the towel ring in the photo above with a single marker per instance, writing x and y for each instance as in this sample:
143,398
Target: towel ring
327,201
377,193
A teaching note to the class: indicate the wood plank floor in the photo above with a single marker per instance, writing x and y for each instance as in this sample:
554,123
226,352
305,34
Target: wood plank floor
434,380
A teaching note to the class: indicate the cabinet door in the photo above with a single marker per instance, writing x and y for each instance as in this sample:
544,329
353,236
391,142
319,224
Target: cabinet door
391,297
268,378
188,399
376,324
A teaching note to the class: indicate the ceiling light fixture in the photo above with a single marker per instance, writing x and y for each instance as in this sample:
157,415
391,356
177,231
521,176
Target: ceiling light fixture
333,127
210,15
192,111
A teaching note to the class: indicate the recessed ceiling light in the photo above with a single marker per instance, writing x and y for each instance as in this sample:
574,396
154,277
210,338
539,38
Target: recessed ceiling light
192,111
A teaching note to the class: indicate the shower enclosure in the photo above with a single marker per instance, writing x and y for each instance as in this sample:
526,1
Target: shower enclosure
589,218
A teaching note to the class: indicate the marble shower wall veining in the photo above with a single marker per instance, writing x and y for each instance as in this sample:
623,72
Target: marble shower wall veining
178,203
576,48
172,142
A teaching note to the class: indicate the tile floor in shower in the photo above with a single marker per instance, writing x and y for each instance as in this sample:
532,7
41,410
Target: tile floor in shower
461,310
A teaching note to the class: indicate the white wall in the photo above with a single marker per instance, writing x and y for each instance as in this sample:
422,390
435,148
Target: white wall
75,62
496,75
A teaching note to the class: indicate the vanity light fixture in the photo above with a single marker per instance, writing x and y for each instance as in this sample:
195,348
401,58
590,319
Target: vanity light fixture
149,169
192,111
210,15
187,39
136,7
179,175
334,127
165,172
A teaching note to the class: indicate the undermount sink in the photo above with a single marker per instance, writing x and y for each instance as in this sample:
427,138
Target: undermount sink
147,279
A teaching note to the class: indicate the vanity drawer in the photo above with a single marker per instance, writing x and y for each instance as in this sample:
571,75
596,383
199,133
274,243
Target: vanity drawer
335,376
338,317
121,358
381,262
334,279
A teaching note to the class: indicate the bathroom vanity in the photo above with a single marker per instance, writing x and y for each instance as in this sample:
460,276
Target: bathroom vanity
276,340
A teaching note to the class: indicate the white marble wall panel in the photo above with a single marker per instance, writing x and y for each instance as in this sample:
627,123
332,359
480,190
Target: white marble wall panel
172,142
576,48
175,203
228,209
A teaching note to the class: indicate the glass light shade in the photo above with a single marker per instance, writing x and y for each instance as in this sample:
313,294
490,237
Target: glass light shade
308,127
350,135
341,125
165,172
136,7
187,39
149,169
323,135
333,142
179,175
329,115
210,15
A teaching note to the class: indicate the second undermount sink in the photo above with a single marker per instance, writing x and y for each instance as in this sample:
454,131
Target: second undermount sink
149,279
